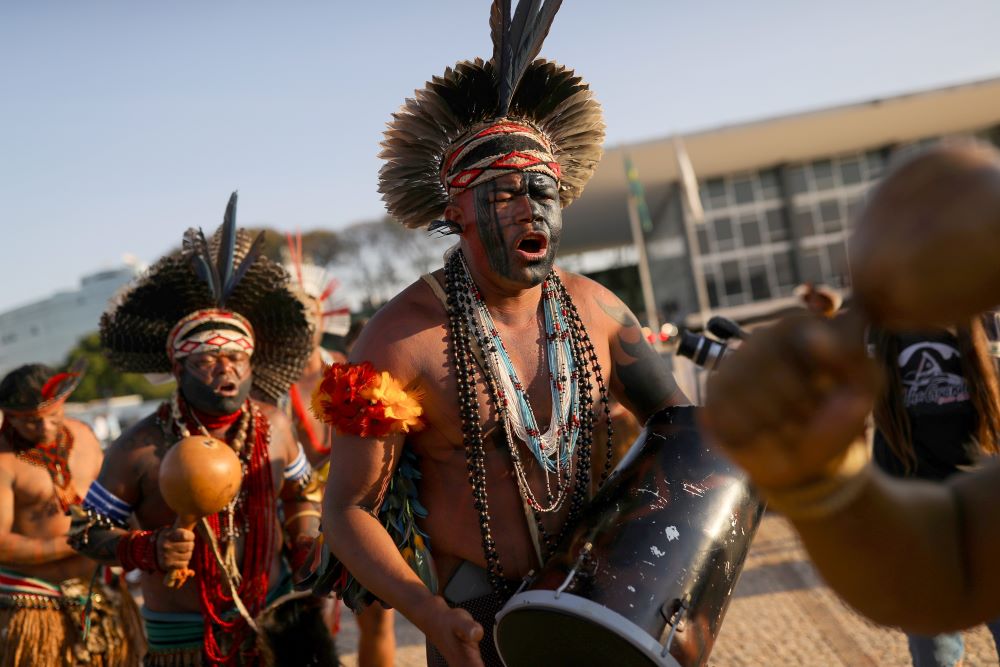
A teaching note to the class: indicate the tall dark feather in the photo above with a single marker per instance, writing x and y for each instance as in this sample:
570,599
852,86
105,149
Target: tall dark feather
519,43
227,250
534,35
499,26
203,264
499,31
252,254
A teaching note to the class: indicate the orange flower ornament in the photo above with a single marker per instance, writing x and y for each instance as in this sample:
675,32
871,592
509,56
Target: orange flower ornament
358,400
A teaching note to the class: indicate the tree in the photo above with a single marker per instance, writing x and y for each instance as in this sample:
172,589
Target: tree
319,246
101,380
379,258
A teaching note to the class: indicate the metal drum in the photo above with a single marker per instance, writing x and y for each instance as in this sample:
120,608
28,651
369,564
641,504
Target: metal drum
646,576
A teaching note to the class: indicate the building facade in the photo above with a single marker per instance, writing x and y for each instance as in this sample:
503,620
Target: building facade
779,197
45,331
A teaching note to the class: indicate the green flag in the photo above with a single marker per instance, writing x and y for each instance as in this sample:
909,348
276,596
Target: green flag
638,195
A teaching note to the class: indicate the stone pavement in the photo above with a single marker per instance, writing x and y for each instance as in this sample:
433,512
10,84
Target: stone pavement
781,614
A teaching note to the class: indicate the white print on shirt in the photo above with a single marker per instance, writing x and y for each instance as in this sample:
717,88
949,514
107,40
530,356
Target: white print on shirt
925,381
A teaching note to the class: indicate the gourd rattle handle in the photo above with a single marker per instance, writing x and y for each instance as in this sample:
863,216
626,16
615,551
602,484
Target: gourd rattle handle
177,577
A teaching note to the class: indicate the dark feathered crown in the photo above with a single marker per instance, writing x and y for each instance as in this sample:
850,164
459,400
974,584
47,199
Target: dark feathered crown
511,86
224,272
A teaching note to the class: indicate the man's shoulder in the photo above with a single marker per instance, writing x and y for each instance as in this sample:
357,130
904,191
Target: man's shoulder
592,299
271,412
405,330
147,432
82,433
580,286
417,302
7,457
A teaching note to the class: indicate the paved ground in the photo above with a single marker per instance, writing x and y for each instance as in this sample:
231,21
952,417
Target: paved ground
781,614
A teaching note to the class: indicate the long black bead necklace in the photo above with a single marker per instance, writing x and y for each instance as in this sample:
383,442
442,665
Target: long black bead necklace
460,302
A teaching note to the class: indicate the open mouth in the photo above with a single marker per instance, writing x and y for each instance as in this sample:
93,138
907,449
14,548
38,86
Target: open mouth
228,389
532,245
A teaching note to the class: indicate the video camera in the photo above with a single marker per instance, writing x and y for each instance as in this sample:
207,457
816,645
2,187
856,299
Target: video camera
707,350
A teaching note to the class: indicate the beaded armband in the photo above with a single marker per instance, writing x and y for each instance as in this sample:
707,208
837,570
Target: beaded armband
358,400
101,509
82,521
136,550
307,482
299,471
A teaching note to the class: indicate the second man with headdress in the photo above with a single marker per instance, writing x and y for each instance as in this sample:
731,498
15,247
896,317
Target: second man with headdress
223,321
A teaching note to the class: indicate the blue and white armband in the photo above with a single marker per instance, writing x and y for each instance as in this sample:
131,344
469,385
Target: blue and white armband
101,502
299,471
100,509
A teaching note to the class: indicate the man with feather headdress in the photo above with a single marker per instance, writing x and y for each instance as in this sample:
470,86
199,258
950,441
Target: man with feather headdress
224,321
482,388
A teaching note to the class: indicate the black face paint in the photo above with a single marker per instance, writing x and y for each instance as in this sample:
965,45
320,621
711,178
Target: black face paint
490,230
500,227
201,397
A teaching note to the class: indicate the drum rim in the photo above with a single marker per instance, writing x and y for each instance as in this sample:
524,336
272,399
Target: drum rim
586,609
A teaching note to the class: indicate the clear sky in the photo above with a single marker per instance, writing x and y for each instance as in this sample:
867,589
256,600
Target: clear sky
123,122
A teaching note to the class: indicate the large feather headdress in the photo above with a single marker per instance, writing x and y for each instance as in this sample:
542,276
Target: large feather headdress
546,116
224,272
318,284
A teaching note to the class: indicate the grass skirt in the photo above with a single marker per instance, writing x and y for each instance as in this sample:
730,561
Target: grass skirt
39,630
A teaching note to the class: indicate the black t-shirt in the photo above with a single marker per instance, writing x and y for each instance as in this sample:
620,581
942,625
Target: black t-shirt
943,419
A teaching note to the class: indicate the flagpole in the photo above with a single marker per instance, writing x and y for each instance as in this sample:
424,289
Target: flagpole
692,214
645,279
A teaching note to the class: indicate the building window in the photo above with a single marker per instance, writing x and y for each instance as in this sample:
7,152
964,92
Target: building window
838,263
797,181
8,338
829,213
822,171
875,163
724,233
760,289
769,184
776,229
716,190
712,289
850,172
783,272
812,265
750,231
744,191
731,280
34,330
803,222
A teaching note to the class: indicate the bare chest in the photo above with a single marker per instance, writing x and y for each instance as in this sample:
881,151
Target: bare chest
447,402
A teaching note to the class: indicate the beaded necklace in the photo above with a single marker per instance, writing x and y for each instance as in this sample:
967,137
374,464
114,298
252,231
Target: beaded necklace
251,515
554,448
54,458
238,443
461,293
